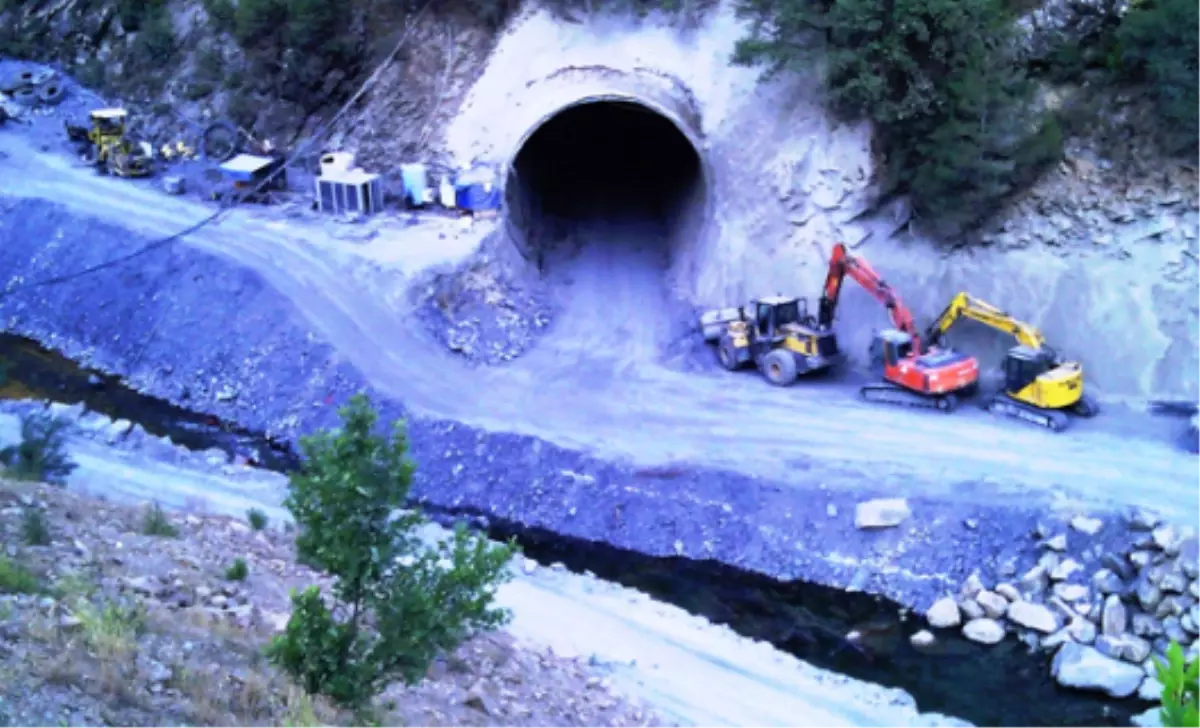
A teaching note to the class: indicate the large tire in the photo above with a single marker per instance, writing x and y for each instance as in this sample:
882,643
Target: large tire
727,355
52,94
219,142
779,367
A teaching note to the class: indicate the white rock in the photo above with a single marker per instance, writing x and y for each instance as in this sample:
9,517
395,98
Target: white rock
1056,543
993,604
922,639
1008,591
944,613
1089,526
1168,539
1070,592
984,630
1151,718
1084,668
1151,690
1064,569
1082,631
1033,616
881,513
1114,619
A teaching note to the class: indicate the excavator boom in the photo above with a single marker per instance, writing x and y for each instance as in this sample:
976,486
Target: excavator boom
966,305
842,264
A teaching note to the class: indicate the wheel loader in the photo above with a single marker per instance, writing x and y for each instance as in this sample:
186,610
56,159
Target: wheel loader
1040,387
106,146
776,334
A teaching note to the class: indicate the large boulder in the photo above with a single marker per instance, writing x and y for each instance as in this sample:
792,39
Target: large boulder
1085,668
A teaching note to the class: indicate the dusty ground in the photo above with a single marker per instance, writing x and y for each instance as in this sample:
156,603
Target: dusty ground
126,628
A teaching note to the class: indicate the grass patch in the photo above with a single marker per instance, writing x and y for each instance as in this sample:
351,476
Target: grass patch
156,523
16,579
34,528
257,519
237,571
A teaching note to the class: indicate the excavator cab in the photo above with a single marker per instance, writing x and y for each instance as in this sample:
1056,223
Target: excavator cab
888,349
1024,365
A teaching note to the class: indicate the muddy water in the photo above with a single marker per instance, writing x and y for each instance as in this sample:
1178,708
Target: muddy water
1003,685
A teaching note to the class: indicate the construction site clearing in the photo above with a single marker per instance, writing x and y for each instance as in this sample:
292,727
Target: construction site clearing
226,164
777,335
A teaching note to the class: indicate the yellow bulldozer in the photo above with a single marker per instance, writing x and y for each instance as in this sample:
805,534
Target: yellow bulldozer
106,145
1039,386
776,334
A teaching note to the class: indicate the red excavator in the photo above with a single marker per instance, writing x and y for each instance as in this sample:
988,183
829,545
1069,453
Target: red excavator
931,378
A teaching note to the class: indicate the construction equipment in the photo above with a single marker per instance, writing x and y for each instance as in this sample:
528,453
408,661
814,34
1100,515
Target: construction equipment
107,147
776,333
909,374
1039,386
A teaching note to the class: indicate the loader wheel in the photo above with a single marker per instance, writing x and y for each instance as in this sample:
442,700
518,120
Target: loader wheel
727,356
779,367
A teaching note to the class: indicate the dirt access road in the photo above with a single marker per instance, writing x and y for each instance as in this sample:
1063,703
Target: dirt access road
646,414
688,670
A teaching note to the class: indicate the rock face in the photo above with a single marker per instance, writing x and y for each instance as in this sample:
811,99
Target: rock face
1097,238
1082,667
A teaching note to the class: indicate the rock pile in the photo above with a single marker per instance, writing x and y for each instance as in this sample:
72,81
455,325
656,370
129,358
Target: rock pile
1105,622
481,317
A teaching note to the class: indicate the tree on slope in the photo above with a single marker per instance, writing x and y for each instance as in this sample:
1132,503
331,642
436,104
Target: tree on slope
952,108
398,601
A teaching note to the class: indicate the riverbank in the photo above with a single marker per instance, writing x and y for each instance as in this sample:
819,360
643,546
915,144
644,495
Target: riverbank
682,667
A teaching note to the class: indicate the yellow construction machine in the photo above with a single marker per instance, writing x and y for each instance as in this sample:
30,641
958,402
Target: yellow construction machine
1039,386
777,334
108,147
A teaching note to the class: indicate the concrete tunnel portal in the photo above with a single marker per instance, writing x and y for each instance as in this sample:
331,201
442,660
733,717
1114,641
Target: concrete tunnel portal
608,171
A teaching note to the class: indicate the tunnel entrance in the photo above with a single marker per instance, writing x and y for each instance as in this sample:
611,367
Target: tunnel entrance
610,161
601,198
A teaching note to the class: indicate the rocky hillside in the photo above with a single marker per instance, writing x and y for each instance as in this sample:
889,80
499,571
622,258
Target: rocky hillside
183,63
112,615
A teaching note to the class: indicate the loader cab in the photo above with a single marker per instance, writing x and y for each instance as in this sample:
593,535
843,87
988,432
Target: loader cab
1023,365
772,314
108,124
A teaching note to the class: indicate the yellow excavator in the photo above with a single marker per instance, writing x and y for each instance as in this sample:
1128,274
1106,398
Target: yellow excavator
1039,386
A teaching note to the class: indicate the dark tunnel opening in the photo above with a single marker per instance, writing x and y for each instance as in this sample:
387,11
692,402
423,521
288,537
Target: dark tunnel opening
609,163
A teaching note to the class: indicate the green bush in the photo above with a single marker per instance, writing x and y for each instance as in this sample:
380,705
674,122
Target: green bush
952,108
257,519
398,601
156,523
1180,691
16,579
1158,44
34,527
42,453
155,46
237,571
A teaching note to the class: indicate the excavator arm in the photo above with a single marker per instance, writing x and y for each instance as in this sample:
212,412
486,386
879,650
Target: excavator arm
965,305
842,264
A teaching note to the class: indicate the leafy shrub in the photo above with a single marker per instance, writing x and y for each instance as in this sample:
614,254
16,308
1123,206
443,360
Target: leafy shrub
34,527
42,453
951,105
1158,44
111,628
237,571
397,601
257,519
16,579
155,46
1180,691
156,523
